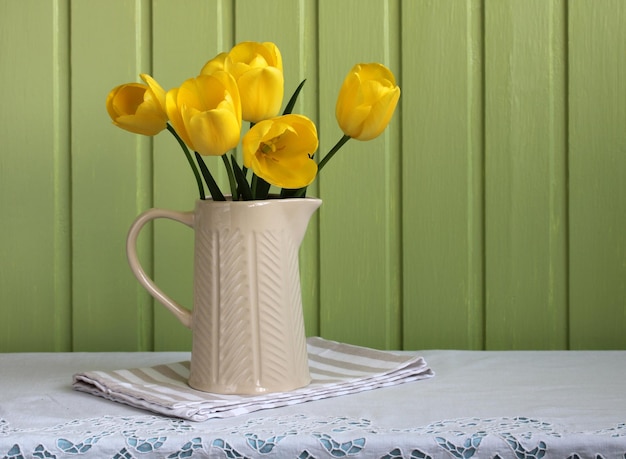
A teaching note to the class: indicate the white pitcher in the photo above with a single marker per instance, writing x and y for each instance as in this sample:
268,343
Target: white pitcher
247,322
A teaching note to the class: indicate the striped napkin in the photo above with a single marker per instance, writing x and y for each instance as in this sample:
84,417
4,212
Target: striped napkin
336,369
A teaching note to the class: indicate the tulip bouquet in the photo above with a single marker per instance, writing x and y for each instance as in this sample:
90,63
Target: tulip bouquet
205,114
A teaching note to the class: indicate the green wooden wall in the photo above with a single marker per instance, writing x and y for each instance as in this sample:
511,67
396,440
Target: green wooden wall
491,214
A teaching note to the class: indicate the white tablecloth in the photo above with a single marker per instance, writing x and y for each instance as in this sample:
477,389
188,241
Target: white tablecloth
480,404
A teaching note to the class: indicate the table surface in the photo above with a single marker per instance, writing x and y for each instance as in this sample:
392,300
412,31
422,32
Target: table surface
525,404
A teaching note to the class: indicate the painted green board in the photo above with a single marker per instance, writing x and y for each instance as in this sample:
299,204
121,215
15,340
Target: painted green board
442,174
111,177
525,170
34,168
597,174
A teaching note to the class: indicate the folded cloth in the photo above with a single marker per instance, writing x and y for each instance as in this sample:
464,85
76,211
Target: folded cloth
336,369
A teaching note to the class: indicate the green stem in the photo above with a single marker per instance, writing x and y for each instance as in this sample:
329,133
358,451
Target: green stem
253,185
293,192
261,188
301,192
231,178
244,186
189,159
332,152
216,194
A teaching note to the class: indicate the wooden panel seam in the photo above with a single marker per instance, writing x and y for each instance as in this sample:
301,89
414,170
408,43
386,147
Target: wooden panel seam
144,198
62,178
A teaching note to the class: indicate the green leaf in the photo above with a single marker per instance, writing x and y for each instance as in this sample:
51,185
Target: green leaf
244,187
292,101
215,191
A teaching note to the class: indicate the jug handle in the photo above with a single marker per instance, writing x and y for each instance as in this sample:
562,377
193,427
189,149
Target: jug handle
181,313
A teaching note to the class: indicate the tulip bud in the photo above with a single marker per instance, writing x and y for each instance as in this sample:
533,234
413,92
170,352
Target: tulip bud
280,151
366,101
137,107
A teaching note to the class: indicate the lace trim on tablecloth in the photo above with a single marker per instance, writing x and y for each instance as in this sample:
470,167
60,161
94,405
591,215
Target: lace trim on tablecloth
317,437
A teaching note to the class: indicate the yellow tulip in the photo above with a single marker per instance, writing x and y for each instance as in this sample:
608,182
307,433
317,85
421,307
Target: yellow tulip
280,151
258,70
366,101
206,113
138,108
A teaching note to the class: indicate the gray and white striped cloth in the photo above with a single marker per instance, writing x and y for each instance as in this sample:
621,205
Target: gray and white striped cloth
336,369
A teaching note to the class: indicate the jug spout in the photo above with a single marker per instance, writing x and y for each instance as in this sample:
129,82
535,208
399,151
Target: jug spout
298,213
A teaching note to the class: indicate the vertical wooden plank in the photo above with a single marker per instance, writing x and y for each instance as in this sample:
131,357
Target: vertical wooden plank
111,171
206,29
297,40
359,220
442,164
34,200
526,223
597,181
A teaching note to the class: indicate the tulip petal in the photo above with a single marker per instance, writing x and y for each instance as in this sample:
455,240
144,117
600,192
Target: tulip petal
261,92
175,116
127,98
381,113
145,125
155,89
352,125
109,103
287,174
257,68
248,52
214,65
214,132
349,110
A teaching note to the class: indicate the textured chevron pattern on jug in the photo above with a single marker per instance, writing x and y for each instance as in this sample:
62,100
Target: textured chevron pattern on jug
252,308
278,282
225,357
204,318
300,357
236,348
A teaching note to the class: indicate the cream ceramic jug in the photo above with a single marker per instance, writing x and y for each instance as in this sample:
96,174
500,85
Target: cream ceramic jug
247,322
